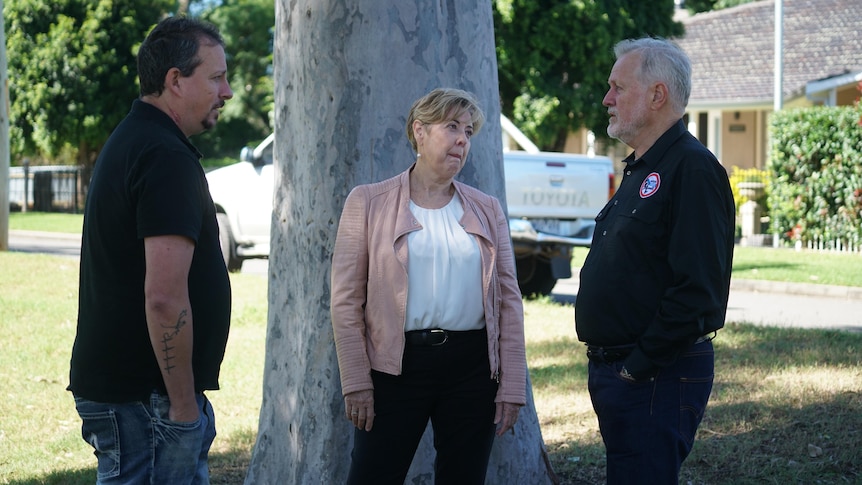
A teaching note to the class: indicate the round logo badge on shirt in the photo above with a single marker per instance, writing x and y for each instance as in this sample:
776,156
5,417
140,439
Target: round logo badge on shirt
650,185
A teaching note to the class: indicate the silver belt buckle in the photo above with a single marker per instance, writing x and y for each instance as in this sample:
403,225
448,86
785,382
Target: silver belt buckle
445,336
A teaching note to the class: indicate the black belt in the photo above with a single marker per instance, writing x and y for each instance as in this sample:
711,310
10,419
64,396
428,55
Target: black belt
607,355
426,338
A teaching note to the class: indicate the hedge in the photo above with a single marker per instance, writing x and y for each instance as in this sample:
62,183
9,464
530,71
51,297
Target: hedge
815,165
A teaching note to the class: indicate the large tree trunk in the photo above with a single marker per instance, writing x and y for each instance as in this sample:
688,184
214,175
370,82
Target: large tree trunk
346,74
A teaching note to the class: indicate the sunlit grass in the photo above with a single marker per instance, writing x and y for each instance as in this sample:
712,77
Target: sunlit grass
46,221
39,427
808,266
786,406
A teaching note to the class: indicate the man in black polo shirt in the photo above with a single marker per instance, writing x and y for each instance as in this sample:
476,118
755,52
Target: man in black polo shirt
654,287
154,299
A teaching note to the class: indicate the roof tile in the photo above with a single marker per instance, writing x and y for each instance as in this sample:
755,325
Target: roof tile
732,50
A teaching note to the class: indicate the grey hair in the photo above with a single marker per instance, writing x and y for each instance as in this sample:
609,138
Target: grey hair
662,61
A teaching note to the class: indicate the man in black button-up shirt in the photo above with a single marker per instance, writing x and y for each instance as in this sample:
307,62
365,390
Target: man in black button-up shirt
654,287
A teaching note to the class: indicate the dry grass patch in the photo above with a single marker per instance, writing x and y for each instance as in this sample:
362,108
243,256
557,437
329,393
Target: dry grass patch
786,406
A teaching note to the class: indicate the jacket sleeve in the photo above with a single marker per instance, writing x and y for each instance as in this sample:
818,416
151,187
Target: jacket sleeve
513,359
349,285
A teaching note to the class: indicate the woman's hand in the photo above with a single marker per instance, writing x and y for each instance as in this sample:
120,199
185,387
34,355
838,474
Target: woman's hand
505,416
359,408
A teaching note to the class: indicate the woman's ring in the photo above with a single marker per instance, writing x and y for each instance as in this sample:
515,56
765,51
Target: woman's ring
355,413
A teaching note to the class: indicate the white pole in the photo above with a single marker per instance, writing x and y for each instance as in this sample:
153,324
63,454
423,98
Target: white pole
778,92
777,89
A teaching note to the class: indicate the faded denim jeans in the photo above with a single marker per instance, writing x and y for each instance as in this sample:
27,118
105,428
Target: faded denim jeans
135,442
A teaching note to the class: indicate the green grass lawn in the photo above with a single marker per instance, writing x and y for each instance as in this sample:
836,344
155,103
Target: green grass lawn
39,428
783,264
786,407
46,221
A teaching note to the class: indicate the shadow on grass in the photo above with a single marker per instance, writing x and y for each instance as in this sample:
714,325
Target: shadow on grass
563,299
63,477
786,408
789,425
567,368
759,265
755,443
783,347
767,421
227,467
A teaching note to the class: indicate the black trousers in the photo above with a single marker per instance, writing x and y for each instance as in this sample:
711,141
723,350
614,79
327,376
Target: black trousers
449,384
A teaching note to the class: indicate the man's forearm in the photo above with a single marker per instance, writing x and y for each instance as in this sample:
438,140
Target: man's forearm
171,338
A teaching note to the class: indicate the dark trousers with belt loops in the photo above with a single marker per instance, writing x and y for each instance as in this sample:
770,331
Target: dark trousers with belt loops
451,385
649,426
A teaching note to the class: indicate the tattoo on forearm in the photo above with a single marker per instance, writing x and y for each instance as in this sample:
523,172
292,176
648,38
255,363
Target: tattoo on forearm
171,332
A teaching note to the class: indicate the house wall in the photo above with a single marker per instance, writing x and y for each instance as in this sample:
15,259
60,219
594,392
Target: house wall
739,139
576,142
847,96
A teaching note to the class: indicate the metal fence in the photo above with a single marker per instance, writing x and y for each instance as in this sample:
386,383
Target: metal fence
55,188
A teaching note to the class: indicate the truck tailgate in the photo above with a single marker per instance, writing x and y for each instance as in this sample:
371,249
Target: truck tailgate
556,185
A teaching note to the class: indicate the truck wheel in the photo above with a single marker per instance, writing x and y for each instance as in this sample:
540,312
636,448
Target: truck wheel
534,276
228,245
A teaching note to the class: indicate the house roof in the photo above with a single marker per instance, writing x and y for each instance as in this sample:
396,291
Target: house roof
732,50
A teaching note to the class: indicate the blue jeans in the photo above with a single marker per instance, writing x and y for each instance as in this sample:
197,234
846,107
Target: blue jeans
135,443
649,426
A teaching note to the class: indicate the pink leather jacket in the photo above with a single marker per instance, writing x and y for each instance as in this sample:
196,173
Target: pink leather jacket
369,285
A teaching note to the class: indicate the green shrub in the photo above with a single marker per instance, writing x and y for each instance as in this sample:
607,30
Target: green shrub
815,164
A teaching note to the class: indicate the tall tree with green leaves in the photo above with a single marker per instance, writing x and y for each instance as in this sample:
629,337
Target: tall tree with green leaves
72,74
554,59
247,27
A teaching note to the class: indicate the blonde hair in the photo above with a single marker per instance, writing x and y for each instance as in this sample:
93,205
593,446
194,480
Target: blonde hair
444,104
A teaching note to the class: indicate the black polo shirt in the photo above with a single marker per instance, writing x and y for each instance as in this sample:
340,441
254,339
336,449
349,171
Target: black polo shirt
147,181
658,271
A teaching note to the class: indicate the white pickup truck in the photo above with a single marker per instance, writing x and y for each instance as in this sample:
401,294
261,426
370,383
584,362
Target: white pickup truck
552,199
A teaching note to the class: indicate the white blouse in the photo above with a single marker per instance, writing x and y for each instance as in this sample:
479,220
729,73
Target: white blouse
444,272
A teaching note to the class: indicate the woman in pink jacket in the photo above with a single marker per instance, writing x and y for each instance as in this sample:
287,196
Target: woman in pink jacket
426,310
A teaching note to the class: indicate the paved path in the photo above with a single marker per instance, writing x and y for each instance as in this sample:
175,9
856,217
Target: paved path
776,304
45,242
752,301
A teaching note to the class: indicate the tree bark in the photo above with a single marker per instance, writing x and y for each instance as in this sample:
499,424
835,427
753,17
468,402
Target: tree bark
346,74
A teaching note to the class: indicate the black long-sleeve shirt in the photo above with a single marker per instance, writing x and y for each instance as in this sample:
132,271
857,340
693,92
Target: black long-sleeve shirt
658,271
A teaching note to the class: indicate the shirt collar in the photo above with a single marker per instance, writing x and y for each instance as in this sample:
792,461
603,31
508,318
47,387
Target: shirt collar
147,112
658,149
